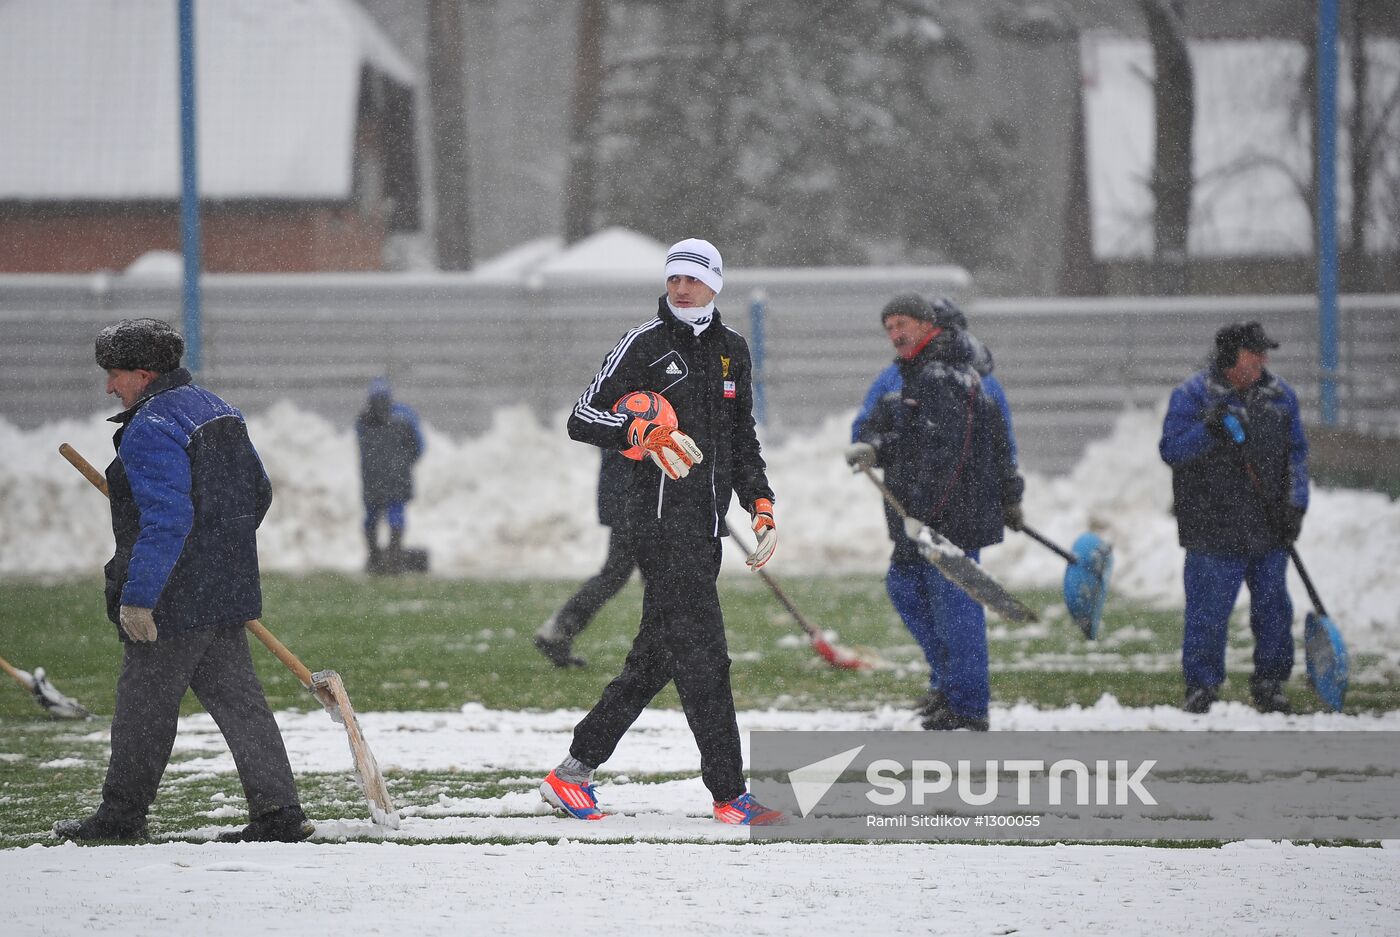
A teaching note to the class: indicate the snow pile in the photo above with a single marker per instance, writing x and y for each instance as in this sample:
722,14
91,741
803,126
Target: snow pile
518,501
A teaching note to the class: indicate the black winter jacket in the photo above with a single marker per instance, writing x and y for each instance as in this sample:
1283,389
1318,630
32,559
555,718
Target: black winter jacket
945,450
707,380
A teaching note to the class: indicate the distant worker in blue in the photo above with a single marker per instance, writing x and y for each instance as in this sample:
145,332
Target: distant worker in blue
1239,493
555,638
945,444
390,441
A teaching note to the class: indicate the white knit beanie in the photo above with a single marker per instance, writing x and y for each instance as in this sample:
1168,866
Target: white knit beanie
696,258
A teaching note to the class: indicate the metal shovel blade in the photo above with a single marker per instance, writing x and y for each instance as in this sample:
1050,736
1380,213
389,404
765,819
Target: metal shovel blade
64,707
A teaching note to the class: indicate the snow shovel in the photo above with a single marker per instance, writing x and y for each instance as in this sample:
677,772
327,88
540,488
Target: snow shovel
839,657
63,707
1086,578
325,685
1324,651
1329,665
945,556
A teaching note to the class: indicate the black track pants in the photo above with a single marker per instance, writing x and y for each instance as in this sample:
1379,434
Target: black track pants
576,614
682,639
215,663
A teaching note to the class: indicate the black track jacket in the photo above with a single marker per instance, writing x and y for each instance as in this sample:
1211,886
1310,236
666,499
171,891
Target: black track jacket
706,379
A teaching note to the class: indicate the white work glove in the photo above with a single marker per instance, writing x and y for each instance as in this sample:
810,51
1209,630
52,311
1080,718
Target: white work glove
860,455
913,527
673,451
138,623
766,531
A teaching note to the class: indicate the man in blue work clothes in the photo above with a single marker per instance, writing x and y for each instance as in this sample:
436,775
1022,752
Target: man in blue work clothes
946,450
188,492
390,441
1239,491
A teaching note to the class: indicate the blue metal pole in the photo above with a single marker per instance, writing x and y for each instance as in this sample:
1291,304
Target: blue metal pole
758,308
1327,208
189,193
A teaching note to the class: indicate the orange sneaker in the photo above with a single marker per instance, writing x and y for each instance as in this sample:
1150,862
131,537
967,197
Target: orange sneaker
745,811
577,800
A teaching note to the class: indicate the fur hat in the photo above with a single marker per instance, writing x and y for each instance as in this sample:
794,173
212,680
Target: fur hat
139,345
696,258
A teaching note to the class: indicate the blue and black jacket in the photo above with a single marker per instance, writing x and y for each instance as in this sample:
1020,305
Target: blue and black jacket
946,451
1218,509
889,381
391,441
188,492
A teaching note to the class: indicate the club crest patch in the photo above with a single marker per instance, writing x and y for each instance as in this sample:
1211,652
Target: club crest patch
724,364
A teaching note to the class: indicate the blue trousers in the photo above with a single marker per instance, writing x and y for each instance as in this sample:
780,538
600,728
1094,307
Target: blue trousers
950,628
393,511
1212,584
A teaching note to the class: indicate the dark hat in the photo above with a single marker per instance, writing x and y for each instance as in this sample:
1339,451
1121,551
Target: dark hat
140,345
908,304
1247,335
947,314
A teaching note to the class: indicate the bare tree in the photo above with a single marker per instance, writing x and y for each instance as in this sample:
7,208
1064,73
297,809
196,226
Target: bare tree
1174,97
581,184
447,85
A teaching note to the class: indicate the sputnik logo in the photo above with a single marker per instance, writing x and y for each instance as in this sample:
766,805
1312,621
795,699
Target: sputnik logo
811,782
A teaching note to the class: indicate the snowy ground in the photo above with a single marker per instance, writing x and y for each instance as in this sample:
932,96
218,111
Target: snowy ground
660,864
799,890
518,502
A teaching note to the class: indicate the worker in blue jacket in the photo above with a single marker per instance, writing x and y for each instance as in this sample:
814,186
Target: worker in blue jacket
391,443
188,492
906,581
946,452
1239,460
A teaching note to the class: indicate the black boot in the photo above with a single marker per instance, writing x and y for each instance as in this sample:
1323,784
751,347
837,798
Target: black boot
283,825
945,720
1268,696
103,826
374,565
393,557
554,642
1199,699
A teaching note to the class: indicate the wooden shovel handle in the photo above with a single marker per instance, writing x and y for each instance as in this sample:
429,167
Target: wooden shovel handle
18,674
279,650
84,466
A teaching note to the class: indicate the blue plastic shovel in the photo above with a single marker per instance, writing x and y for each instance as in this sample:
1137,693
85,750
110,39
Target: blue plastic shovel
1329,665
1086,578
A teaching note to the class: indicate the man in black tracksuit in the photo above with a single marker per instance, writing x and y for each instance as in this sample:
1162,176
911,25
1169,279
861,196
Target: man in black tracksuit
675,507
555,638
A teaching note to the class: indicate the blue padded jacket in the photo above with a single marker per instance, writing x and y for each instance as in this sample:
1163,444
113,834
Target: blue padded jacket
1218,510
188,492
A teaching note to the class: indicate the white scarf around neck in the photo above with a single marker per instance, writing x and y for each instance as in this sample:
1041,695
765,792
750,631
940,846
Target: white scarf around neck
697,317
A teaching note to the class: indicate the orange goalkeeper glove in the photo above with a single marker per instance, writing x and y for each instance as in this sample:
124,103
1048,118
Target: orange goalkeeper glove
673,451
767,532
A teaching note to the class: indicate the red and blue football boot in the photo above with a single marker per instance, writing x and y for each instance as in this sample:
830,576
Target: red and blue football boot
577,800
745,811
